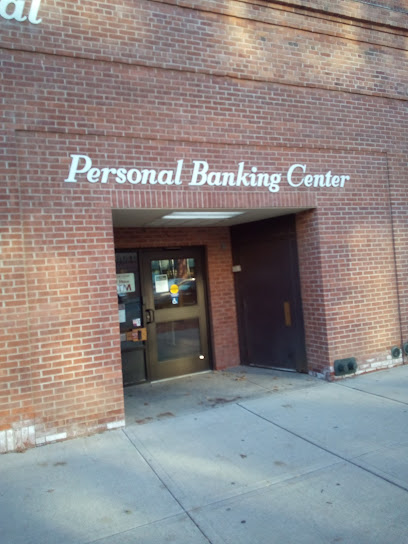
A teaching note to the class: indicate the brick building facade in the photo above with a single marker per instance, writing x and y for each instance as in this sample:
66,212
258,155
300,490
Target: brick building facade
291,117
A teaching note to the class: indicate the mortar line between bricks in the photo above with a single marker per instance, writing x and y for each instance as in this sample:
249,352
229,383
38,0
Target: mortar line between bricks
212,143
207,73
312,13
345,459
150,465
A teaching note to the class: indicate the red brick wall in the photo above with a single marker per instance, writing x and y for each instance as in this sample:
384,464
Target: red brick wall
145,83
237,39
16,407
351,301
385,12
397,174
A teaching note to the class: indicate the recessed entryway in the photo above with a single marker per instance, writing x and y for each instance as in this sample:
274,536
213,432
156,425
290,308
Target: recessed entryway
198,298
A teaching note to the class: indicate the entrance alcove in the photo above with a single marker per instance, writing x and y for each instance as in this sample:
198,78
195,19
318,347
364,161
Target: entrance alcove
211,289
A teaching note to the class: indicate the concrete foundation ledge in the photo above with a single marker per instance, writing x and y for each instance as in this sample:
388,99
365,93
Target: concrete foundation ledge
363,367
19,439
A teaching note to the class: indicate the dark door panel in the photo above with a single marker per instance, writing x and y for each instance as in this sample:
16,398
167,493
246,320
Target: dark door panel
268,294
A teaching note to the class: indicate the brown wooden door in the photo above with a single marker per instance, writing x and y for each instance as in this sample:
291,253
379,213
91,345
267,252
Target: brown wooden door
268,294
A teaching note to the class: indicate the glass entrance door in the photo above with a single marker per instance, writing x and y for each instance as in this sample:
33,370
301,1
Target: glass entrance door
175,312
130,317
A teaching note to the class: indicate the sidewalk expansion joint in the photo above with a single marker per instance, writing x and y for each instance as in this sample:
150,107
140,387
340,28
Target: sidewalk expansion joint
162,481
373,394
103,538
345,459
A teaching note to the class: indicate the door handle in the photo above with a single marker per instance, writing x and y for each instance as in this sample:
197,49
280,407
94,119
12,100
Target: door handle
149,316
287,314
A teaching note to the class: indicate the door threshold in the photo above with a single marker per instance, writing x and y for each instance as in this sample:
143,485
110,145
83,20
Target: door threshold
182,376
273,368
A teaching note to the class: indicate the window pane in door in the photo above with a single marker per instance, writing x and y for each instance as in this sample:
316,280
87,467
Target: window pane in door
174,283
177,339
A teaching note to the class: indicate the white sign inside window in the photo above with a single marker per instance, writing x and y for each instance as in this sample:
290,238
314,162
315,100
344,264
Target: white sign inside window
122,313
125,283
161,283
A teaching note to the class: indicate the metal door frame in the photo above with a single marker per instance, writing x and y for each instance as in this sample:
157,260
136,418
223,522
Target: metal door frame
185,365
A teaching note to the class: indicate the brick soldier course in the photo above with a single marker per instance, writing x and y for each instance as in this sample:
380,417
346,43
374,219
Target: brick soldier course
143,85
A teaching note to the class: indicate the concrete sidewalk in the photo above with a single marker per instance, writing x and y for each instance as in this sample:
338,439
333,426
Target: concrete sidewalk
244,456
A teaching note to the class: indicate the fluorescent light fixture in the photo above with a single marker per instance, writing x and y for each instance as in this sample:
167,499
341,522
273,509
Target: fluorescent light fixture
202,215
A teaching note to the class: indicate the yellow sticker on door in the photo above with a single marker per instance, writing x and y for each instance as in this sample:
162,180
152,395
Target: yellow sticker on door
174,289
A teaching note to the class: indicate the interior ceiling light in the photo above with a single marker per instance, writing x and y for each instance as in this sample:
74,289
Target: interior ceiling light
202,215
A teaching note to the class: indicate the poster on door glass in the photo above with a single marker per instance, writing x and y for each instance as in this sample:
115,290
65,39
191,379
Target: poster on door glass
122,313
125,283
161,283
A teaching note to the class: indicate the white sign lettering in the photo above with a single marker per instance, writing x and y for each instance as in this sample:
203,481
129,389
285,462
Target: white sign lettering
296,176
82,164
14,9
318,180
201,176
